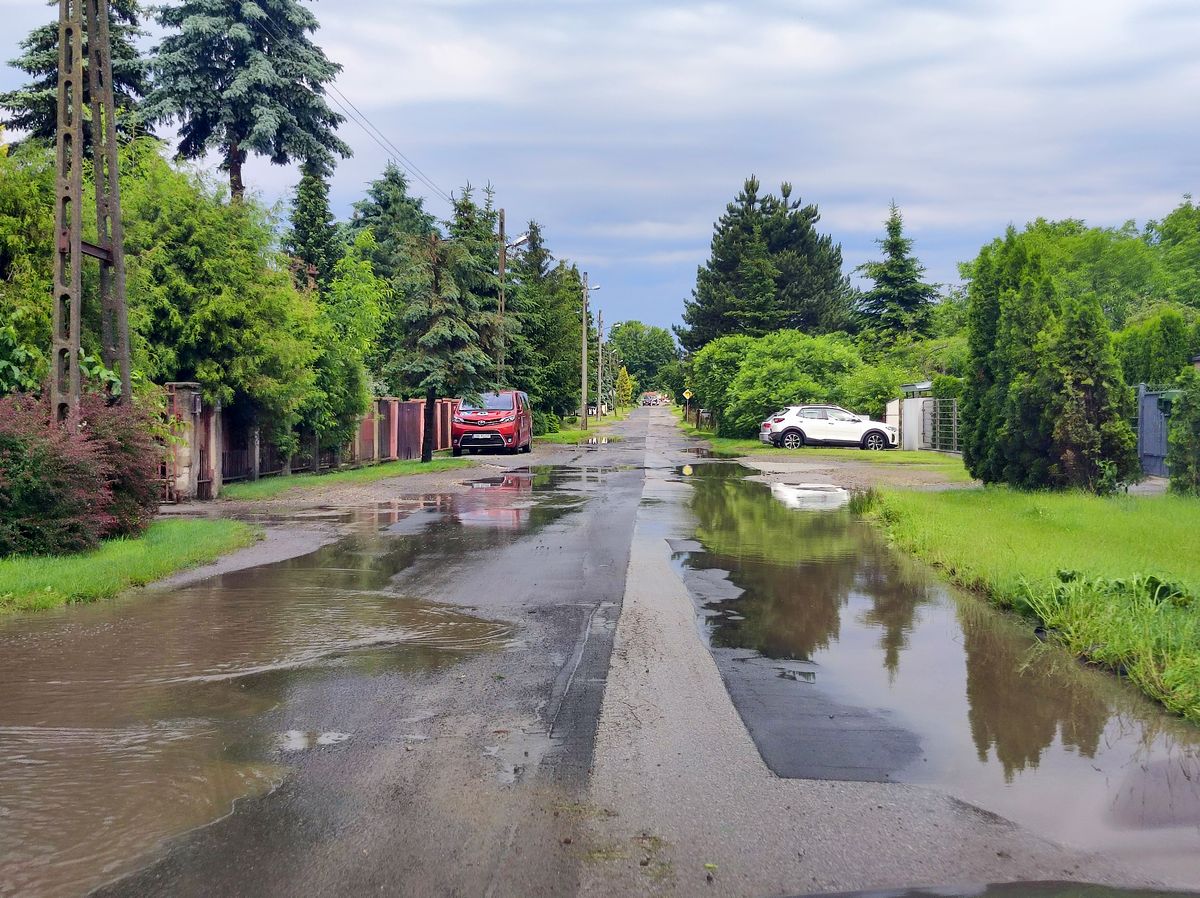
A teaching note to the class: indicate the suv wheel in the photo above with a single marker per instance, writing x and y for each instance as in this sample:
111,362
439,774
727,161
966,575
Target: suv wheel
793,439
875,441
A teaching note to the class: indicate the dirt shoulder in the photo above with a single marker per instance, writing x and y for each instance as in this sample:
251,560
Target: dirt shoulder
941,472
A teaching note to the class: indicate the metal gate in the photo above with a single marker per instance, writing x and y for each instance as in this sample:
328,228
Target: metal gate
1153,430
939,425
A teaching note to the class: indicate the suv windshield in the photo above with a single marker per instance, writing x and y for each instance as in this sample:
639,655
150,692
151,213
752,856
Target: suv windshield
492,402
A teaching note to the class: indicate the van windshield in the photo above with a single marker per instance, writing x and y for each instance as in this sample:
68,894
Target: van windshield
492,402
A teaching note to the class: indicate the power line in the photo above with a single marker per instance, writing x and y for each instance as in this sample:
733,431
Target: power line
384,143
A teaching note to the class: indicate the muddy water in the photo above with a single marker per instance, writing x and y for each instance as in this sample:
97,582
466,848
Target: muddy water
848,661
127,722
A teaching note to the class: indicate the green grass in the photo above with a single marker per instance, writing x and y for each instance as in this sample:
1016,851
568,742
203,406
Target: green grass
29,584
571,437
1012,547
950,467
272,487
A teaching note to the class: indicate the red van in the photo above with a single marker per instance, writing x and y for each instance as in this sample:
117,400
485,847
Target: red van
501,421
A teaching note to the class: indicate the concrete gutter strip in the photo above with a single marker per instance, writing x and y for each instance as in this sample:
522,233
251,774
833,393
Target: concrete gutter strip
681,793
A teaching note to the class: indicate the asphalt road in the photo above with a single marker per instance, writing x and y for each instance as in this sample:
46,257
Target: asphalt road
466,779
597,753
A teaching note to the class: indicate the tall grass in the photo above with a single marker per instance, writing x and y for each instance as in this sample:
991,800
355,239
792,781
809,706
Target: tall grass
1116,580
28,584
271,487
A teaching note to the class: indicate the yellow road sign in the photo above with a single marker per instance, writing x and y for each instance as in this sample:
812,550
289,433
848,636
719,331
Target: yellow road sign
688,394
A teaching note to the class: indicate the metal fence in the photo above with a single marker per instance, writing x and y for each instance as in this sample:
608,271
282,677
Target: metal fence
940,425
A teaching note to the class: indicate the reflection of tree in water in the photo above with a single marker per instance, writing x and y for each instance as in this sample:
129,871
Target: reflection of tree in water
797,570
1020,697
896,592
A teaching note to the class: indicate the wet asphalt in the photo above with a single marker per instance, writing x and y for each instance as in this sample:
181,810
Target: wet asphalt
438,703
463,777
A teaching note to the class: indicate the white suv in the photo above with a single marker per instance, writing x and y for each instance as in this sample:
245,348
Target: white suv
828,425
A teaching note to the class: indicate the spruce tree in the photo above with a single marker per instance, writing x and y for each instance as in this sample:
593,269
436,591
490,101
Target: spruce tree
438,353
32,108
394,216
245,78
313,238
900,302
768,269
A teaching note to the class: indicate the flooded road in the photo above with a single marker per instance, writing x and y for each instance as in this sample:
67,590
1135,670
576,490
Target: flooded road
849,662
127,722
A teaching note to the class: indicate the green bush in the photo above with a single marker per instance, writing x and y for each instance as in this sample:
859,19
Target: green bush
545,422
63,493
1183,456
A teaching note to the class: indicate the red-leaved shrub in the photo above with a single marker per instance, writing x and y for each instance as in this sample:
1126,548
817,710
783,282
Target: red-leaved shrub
62,493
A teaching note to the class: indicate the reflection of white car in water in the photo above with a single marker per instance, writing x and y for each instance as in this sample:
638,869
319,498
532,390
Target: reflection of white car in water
827,425
810,496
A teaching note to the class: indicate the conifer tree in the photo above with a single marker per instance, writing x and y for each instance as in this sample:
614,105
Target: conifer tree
768,269
900,302
1088,406
624,388
438,353
394,216
245,78
32,108
313,238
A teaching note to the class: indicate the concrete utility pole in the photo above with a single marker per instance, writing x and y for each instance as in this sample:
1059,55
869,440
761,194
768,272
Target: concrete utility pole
75,17
599,365
583,421
503,335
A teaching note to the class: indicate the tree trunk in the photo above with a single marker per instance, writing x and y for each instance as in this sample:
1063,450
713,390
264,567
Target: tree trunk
427,441
237,187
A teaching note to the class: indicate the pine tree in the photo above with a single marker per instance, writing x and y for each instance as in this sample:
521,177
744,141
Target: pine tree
243,78
768,269
32,108
313,238
900,302
439,352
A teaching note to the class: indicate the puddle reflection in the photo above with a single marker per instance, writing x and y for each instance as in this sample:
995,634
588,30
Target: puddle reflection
125,722
848,661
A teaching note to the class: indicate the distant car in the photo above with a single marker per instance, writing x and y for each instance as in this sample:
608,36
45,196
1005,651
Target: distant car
826,425
502,421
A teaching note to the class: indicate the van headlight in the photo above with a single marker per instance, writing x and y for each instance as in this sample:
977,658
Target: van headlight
508,420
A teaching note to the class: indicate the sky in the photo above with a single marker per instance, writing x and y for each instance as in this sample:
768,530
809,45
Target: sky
625,126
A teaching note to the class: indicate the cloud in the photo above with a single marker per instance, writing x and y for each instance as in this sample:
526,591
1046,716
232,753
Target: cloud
625,126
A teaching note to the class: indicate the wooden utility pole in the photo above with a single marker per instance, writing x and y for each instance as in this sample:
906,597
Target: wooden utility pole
583,421
599,365
503,266
75,18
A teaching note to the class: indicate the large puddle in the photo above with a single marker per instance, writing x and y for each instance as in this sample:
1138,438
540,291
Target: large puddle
127,722
848,661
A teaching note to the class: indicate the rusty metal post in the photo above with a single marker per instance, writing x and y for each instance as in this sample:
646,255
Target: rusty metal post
65,383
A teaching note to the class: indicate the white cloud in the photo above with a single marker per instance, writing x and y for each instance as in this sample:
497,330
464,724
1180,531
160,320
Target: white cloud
625,126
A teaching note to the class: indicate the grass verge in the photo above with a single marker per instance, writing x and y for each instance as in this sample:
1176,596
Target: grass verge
571,437
34,584
1112,579
950,467
271,487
